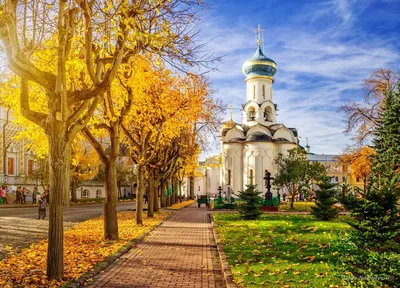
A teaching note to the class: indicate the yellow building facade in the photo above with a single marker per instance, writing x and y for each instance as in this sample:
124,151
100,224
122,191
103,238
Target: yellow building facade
340,174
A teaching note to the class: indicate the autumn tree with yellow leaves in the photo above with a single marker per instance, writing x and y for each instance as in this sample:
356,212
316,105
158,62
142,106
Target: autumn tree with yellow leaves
359,161
71,53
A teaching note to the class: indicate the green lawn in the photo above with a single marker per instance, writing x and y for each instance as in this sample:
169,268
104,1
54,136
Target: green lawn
281,250
298,206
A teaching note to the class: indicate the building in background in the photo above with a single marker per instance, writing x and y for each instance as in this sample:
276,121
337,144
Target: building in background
340,174
17,163
207,178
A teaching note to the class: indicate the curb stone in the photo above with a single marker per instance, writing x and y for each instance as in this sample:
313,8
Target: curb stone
226,270
87,278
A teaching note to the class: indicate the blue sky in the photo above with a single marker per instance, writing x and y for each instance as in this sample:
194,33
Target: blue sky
324,49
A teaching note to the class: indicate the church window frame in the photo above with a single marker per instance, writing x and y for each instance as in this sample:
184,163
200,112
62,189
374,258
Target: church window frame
254,91
263,91
229,176
251,176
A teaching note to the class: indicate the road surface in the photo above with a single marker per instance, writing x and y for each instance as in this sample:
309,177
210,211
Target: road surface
19,227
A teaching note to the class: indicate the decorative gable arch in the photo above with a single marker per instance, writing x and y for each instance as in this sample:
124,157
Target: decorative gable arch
285,133
259,128
233,133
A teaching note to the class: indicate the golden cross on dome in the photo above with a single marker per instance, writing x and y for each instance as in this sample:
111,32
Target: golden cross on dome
230,108
259,31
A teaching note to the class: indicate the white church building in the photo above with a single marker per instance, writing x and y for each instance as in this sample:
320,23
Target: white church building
248,150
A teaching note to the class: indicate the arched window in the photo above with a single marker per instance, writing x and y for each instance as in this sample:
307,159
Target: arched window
254,91
270,92
98,193
229,177
263,91
268,114
251,114
251,176
85,194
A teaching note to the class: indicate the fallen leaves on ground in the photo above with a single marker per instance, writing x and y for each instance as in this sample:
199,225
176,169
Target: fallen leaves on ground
179,206
293,251
84,246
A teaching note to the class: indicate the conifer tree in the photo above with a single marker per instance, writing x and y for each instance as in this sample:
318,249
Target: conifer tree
325,198
372,253
250,209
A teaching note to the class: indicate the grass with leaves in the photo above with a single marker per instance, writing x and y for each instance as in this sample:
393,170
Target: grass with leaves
179,206
84,247
298,206
281,250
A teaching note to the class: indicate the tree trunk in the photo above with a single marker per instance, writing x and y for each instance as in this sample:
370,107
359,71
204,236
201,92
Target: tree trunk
59,161
169,193
175,188
111,183
191,180
110,204
292,200
119,190
73,191
180,191
150,210
139,194
156,196
173,191
163,196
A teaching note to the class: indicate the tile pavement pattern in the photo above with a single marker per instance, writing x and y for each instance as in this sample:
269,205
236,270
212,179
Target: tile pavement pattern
179,253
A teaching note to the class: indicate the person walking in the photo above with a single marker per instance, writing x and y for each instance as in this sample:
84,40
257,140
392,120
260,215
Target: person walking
146,196
23,195
17,196
4,193
34,195
42,206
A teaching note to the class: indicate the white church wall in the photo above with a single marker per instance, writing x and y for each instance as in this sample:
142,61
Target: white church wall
233,154
256,85
259,156
285,147
213,180
199,187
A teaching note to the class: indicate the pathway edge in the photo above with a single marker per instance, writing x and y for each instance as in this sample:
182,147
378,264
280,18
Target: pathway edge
225,267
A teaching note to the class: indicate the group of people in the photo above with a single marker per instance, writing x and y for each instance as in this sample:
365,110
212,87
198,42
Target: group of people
20,195
42,199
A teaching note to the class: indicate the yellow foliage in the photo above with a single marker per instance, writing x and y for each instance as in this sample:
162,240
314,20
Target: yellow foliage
84,246
359,161
179,206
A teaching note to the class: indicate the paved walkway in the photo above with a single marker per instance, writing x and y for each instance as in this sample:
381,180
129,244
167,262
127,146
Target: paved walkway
179,253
